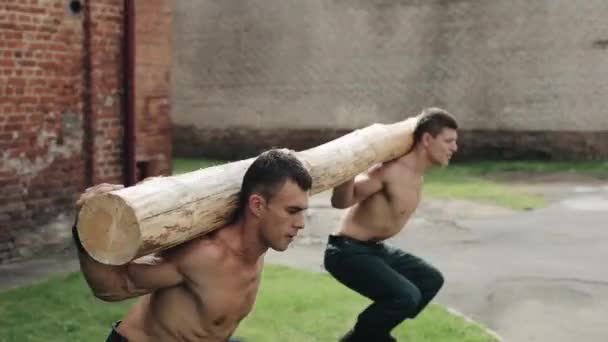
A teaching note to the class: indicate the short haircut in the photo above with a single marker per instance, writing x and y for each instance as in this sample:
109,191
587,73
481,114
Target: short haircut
269,172
433,121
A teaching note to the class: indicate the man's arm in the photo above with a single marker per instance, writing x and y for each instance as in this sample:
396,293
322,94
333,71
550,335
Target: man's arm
114,283
357,189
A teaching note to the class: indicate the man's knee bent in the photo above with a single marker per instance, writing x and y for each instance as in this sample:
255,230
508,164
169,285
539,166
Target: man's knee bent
406,302
437,280
329,261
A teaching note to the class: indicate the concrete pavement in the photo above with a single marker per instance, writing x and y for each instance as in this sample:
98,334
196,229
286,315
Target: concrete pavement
530,276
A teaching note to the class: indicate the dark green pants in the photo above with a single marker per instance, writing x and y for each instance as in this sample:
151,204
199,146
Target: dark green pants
114,335
399,284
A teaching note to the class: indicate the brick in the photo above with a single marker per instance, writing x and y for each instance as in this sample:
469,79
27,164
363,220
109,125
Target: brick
26,62
13,127
9,63
16,82
26,99
27,27
34,10
13,35
43,36
8,26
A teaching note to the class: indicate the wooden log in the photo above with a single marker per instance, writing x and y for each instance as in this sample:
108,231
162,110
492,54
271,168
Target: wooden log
161,212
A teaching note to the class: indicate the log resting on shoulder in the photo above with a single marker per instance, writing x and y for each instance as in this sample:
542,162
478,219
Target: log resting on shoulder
161,212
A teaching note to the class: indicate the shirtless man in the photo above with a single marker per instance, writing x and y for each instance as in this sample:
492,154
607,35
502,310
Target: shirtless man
381,201
201,290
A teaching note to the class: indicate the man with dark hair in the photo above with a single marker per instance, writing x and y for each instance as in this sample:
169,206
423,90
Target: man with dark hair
380,202
200,290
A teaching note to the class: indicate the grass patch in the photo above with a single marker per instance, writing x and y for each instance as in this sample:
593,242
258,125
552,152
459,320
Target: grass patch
458,183
302,305
61,309
314,307
597,169
476,180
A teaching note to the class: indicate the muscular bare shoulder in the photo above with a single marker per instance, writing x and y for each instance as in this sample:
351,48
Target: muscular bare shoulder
397,174
200,254
380,171
391,171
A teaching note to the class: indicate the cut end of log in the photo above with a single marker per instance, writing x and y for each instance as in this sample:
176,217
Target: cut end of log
108,229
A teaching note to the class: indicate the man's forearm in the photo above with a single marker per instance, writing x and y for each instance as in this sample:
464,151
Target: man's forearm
107,282
343,194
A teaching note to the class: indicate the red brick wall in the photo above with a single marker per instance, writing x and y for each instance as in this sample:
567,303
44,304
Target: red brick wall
105,43
61,113
41,102
152,83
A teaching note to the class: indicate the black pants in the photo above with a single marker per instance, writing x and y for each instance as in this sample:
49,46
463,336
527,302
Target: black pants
399,284
116,337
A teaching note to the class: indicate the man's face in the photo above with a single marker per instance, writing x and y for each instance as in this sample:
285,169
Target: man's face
441,148
283,216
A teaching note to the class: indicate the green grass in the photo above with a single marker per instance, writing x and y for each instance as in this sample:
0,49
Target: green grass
475,181
456,184
61,309
306,306
597,169
314,307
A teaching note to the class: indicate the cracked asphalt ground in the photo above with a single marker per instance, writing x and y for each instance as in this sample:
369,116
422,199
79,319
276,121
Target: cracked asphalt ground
530,276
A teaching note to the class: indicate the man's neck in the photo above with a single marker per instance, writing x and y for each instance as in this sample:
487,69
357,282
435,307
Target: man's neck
417,161
245,241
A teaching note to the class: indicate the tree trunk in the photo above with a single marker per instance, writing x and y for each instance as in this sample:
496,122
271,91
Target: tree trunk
161,212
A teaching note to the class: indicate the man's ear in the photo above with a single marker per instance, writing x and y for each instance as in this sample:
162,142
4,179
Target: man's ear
426,138
256,204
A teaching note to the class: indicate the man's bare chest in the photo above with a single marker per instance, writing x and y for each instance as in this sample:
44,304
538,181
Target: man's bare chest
227,296
404,200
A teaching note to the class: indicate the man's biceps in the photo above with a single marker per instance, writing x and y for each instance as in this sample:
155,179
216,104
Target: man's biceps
170,275
135,289
147,275
371,185
377,183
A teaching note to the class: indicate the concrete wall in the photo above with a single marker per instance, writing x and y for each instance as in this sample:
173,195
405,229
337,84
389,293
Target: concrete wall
252,74
527,65
61,111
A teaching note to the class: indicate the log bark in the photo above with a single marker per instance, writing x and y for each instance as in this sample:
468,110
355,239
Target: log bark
161,212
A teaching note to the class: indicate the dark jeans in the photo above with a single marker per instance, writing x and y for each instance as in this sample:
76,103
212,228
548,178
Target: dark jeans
114,335
399,284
